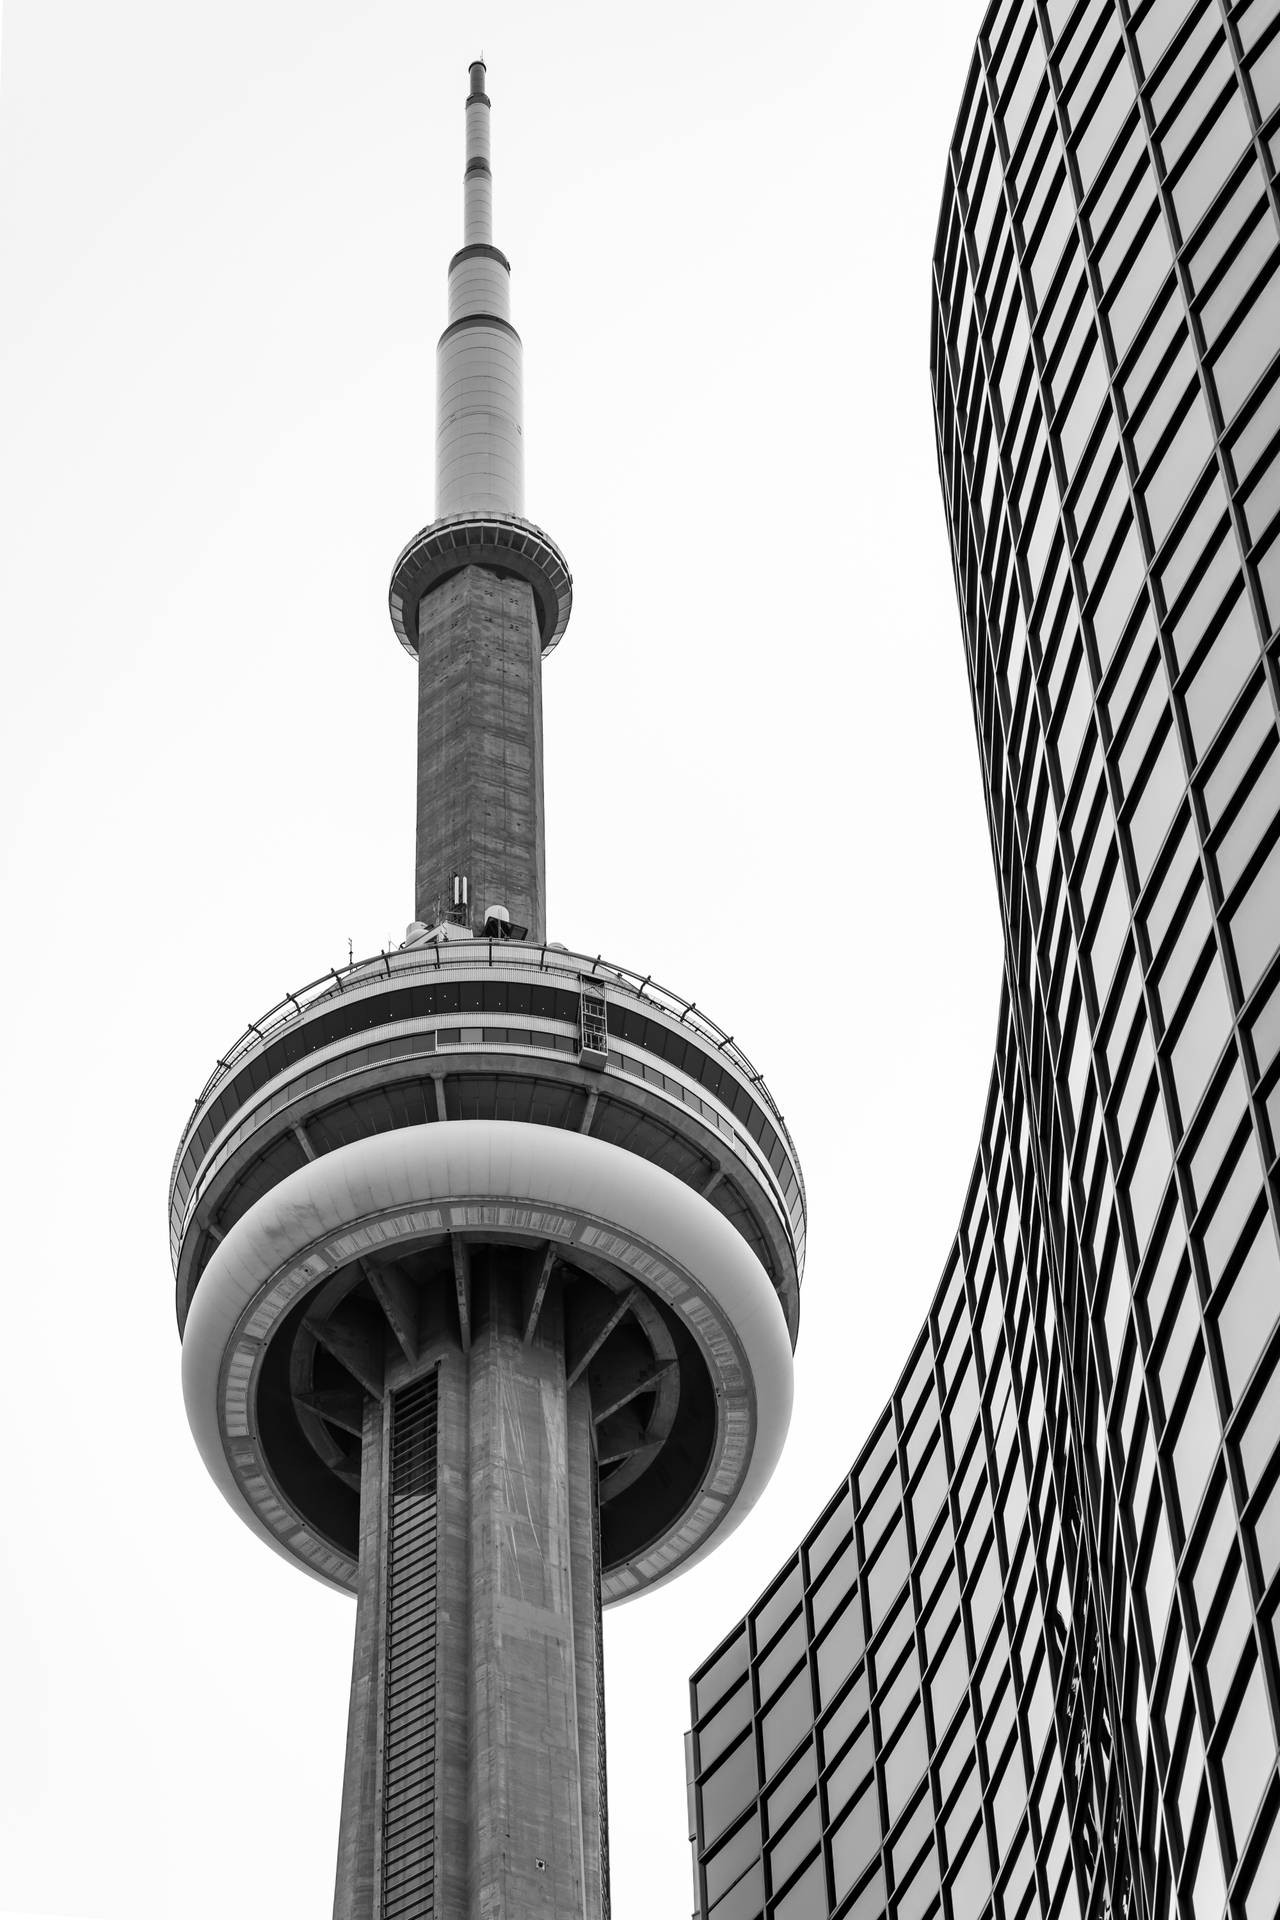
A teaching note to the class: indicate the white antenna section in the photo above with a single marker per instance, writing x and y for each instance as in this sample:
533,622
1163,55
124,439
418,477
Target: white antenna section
479,362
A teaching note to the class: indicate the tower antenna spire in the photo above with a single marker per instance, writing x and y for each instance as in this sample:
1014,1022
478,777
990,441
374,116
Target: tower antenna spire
477,223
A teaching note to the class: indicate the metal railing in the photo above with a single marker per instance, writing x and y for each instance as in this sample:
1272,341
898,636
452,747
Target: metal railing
465,955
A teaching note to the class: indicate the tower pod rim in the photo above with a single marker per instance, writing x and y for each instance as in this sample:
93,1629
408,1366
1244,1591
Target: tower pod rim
507,1176
503,542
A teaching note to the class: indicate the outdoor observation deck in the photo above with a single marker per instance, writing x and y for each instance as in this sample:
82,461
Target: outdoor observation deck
502,542
607,1085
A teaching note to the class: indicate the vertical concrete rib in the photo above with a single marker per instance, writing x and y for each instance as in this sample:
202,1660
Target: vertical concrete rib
453,1638
354,1890
534,1824
588,1652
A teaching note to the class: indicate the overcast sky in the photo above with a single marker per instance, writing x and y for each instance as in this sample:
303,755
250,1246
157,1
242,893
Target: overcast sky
223,241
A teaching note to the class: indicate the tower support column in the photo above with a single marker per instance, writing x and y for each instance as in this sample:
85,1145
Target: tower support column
474,1780
353,1896
535,1811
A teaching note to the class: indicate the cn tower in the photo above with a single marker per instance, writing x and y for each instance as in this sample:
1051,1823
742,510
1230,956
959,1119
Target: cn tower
488,1253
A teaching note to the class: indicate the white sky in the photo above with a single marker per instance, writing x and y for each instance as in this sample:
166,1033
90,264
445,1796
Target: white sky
223,239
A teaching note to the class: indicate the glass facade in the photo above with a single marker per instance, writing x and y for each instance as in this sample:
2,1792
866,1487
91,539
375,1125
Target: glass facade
1027,1661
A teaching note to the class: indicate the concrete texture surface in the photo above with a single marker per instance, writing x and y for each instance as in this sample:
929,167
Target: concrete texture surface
480,807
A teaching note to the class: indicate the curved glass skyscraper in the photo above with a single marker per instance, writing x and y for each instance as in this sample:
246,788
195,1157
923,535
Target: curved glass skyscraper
1026,1660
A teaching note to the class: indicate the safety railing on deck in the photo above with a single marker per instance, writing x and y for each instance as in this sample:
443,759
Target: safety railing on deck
407,962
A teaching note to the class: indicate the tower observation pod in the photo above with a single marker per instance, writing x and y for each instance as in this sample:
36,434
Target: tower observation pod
488,1254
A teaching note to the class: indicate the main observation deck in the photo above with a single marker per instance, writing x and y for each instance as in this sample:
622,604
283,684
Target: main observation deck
517,1037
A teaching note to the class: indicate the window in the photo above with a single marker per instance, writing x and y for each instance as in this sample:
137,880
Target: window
904,1763
1221,672
731,1788
724,1726
1248,1752
1200,1041
1255,925
971,1883
855,1841
731,1860
796,1844
787,1721
1195,1445
1249,1305
839,1650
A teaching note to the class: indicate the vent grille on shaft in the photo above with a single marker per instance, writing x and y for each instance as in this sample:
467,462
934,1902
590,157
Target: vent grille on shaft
409,1695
